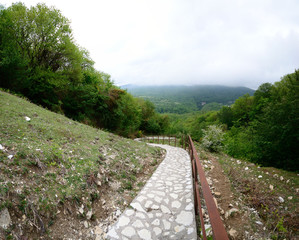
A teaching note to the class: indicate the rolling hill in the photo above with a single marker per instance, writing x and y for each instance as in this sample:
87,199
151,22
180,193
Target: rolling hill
185,99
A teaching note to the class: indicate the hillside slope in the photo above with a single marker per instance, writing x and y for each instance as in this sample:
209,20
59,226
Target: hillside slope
60,178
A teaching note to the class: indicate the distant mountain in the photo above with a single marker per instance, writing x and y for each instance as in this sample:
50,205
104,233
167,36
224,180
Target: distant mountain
184,99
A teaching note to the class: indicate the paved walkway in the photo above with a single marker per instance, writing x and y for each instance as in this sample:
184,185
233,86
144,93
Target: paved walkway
164,208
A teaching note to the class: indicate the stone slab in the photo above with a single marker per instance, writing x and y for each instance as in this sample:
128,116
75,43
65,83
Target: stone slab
164,208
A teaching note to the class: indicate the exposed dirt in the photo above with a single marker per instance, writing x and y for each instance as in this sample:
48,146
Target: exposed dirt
105,210
71,219
233,211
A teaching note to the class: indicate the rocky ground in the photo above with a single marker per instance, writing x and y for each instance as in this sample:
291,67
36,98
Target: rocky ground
254,202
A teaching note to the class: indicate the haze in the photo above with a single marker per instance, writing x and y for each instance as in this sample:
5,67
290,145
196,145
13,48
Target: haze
226,42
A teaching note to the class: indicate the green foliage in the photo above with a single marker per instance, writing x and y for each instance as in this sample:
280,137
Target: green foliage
239,143
265,126
226,116
187,99
40,60
277,126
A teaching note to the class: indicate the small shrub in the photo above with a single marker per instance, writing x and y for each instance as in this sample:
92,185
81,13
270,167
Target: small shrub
213,137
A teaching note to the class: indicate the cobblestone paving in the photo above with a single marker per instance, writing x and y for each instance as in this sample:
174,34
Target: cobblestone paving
164,208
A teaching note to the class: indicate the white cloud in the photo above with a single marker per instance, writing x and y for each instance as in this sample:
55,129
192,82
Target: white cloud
229,42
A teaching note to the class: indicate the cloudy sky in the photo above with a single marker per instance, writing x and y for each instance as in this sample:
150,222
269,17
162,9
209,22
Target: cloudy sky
228,42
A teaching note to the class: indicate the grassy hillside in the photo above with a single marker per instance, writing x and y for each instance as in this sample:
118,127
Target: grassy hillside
56,173
185,99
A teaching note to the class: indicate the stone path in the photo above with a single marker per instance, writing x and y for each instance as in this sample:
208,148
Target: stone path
164,209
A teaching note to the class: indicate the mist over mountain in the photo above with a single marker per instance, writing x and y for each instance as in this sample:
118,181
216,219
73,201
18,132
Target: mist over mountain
183,99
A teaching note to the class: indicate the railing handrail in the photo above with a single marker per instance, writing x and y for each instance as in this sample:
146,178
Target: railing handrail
219,232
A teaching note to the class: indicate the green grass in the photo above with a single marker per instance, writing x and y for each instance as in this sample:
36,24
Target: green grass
56,159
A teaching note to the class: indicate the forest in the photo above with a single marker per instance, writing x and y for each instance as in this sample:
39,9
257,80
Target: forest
186,99
39,59
263,128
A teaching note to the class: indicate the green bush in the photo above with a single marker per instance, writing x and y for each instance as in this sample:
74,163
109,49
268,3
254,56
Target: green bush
212,138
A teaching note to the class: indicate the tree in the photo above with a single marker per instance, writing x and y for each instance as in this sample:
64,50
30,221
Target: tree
226,116
242,109
37,43
277,127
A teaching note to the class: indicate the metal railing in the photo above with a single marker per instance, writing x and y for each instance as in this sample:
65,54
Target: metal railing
199,183
176,141
219,232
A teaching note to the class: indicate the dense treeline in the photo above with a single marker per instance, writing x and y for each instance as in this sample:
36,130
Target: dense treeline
263,128
40,60
187,99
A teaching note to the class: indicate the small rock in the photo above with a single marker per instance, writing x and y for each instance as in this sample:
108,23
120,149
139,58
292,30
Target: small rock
280,199
258,222
1,147
216,203
98,182
238,162
217,194
10,156
233,233
271,187
89,214
81,209
221,211
5,219
117,213
246,168
98,230
281,178
230,212
27,119
290,197
85,224
260,176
